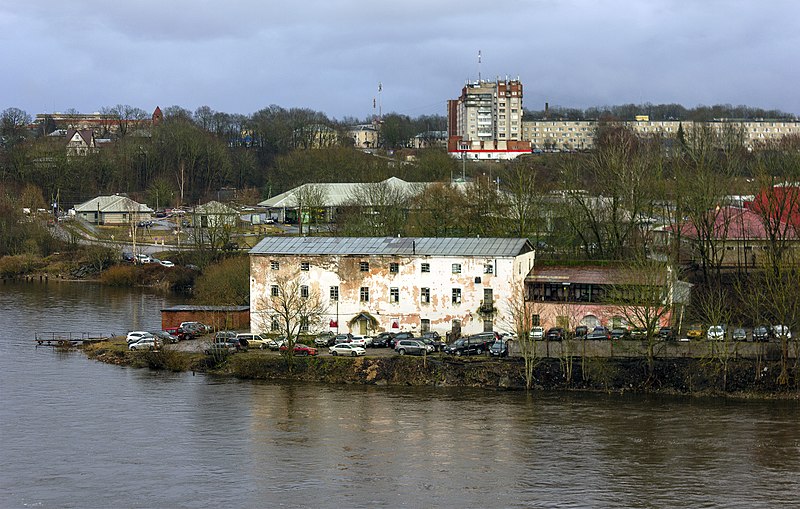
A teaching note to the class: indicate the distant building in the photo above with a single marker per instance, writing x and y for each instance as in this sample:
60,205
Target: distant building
113,210
99,122
373,284
214,214
485,122
364,136
81,142
429,139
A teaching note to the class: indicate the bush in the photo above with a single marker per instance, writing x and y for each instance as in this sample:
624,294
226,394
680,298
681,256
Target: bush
18,265
120,275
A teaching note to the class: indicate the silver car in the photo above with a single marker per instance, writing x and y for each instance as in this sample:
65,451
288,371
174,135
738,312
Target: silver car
347,349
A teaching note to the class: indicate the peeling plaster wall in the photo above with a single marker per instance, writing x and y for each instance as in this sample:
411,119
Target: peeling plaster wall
345,272
550,311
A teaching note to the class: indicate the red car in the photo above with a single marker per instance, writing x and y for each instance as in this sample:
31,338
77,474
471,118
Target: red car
300,349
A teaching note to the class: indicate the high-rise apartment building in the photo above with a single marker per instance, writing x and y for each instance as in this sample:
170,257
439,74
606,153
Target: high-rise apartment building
486,121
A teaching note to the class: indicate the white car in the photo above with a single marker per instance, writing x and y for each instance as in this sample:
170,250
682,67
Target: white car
347,349
537,333
166,263
143,258
359,341
136,335
779,331
146,343
716,333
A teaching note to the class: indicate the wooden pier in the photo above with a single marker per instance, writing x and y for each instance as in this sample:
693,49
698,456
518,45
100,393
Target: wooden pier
69,339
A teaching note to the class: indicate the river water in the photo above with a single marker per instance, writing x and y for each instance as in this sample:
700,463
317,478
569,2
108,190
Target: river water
79,433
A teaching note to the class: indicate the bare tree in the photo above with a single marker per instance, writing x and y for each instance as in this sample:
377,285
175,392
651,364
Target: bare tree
310,201
519,317
712,304
644,298
376,209
292,306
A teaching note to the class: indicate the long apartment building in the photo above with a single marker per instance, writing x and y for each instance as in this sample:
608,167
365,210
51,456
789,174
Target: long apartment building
485,122
579,134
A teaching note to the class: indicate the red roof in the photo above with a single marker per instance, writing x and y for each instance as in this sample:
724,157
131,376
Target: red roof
779,202
731,223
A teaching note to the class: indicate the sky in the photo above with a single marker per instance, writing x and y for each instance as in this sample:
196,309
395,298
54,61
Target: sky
239,56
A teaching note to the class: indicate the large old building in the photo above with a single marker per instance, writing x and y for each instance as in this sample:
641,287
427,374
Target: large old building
485,122
373,284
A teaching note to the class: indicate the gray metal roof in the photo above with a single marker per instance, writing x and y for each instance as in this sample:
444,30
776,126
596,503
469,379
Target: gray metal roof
186,307
400,246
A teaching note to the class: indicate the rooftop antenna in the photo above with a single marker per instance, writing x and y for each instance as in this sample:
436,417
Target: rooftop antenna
479,66
380,102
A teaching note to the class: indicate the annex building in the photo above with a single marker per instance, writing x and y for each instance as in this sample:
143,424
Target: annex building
374,284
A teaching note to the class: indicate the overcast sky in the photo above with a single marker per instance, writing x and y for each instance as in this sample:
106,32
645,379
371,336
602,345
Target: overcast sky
239,56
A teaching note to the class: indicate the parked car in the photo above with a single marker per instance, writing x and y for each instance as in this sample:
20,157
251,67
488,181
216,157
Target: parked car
143,258
716,333
499,348
413,347
382,339
179,333
599,332
398,336
347,349
666,333
232,340
253,340
537,333
195,328
136,335
619,333
739,334
275,344
165,337
695,331
342,338
781,332
434,339
359,341
325,339
300,349
128,257
581,331
761,333
468,346
555,334
145,343
166,263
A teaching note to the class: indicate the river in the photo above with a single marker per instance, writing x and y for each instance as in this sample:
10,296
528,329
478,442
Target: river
76,433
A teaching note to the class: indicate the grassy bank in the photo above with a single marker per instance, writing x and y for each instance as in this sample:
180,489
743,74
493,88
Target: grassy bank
744,377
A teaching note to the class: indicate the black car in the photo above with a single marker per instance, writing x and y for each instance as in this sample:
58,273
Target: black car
382,339
666,333
468,346
554,334
433,338
397,337
599,333
499,348
761,333
581,331
619,333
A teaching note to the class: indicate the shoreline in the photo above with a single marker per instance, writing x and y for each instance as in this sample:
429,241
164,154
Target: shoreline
671,376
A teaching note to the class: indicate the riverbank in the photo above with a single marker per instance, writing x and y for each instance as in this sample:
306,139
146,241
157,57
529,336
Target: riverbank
742,378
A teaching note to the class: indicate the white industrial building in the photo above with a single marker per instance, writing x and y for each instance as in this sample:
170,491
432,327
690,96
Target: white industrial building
374,284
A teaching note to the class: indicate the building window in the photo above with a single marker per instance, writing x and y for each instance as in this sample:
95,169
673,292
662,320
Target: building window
275,325
394,268
425,295
535,320
456,268
364,294
274,265
304,291
364,266
424,325
456,295
304,324
334,293
305,266
394,295
273,290
488,268
426,267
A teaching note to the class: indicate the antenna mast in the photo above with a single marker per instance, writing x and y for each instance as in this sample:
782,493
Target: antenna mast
479,66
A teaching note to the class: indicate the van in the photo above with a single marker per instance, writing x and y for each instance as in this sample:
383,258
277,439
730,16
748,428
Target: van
253,340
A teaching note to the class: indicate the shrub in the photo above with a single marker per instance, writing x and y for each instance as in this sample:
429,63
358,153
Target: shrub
120,275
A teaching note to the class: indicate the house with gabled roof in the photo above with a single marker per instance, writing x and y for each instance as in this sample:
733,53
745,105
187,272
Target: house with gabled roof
374,284
113,210
81,142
